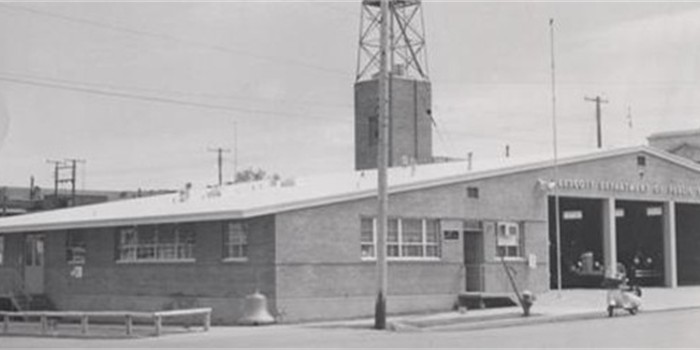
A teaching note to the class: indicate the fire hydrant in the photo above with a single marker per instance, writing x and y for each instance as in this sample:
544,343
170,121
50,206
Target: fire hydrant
526,301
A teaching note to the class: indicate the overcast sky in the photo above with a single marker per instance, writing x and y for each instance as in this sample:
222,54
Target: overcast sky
142,90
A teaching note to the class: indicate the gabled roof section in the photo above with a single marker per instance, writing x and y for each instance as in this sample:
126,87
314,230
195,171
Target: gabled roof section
263,198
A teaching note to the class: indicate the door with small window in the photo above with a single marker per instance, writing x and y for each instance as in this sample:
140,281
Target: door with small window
34,252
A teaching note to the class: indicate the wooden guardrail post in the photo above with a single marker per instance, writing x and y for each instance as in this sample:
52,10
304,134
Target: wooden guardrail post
129,324
84,323
207,320
44,323
158,324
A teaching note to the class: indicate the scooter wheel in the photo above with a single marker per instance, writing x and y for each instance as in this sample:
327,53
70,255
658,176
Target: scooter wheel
633,311
611,311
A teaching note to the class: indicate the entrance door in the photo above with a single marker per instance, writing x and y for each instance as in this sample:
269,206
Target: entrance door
34,264
474,260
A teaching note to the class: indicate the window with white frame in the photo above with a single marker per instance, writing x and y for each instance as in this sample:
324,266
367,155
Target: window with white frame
235,241
367,237
508,239
407,238
75,247
156,243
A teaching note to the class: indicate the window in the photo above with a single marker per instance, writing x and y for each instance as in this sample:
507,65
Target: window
2,249
236,241
392,238
641,161
156,243
473,192
508,240
367,237
406,238
75,247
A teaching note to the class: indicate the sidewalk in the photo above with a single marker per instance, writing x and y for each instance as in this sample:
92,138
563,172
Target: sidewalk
573,304
570,304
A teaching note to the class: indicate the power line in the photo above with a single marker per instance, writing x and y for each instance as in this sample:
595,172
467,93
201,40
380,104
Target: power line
170,38
165,91
160,99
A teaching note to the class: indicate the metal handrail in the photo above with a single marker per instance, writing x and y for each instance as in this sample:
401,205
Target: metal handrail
17,288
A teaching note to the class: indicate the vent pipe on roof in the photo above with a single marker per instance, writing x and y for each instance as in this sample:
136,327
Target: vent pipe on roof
470,155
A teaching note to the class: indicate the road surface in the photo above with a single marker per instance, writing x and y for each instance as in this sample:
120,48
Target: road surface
646,330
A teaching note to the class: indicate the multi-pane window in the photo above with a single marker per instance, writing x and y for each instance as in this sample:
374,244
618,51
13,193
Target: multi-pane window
75,247
156,243
508,239
235,241
392,238
367,237
406,238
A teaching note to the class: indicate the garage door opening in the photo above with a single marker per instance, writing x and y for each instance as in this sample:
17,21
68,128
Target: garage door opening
640,240
581,227
688,244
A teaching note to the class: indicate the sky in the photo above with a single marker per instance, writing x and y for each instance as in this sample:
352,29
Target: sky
142,91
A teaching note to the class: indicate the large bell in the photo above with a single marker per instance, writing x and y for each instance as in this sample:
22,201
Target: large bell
255,311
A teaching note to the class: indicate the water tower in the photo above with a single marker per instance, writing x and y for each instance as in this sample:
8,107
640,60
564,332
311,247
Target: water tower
410,120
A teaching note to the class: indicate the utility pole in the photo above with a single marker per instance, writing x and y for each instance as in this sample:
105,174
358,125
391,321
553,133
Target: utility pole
72,164
382,163
598,100
235,150
56,165
63,165
220,151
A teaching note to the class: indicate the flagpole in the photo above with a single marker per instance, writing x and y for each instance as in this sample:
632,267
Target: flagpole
556,158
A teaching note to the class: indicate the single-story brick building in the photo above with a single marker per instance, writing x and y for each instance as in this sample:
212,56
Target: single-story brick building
309,244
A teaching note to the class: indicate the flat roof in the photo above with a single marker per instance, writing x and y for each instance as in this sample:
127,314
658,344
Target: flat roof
678,133
253,199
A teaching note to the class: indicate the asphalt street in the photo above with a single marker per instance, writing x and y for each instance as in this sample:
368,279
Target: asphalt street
669,329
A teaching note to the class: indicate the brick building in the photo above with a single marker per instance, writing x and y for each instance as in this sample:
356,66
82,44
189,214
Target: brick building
309,244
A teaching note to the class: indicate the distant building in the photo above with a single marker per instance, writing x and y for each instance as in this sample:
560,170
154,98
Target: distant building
22,200
685,143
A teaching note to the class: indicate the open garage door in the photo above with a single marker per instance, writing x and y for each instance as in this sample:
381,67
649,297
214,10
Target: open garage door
581,242
688,244
640,240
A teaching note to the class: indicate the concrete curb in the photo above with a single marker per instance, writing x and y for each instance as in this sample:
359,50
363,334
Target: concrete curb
515,320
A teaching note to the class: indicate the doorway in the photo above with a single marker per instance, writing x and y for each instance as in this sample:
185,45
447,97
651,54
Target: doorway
34,250
474,256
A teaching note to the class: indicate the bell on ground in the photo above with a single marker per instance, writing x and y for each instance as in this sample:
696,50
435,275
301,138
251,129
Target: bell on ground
255,311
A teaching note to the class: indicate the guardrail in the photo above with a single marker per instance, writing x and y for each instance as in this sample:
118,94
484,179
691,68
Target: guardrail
49,319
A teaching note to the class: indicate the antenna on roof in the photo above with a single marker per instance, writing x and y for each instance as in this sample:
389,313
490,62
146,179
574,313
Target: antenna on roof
507,151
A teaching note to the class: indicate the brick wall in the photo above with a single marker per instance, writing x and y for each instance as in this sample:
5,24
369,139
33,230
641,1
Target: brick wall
107,284
410,124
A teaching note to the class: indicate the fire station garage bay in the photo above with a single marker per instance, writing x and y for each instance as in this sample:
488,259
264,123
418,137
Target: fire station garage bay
309,244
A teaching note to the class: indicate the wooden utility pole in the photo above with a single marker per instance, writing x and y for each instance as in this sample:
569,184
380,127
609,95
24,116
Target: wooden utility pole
56,167
598,100
382,163
220,160
73,167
